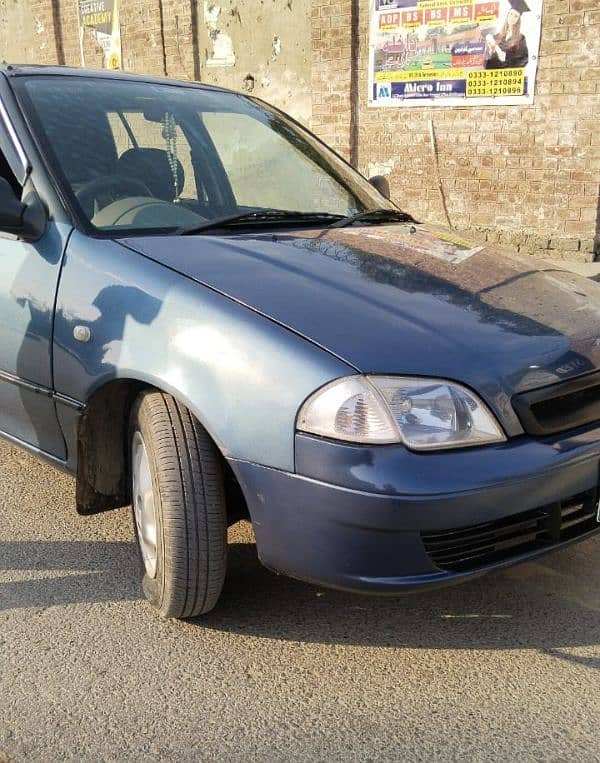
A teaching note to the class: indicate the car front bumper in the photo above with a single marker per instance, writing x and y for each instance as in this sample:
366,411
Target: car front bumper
386,520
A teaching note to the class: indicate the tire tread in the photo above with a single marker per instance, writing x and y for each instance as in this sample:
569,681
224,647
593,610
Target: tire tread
190,502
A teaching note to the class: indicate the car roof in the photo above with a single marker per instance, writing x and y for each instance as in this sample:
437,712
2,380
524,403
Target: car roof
33,70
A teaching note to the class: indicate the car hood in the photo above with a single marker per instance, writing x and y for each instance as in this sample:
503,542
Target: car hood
406,299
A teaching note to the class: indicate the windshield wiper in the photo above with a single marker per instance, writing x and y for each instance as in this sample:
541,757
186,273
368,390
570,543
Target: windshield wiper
375,216
259,216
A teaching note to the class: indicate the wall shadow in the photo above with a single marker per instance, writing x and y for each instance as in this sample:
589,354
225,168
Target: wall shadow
597,236
94,572
58,33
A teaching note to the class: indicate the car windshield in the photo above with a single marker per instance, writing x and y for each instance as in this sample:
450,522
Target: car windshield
140,157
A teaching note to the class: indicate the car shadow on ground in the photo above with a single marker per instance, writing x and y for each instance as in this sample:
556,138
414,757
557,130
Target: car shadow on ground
551,605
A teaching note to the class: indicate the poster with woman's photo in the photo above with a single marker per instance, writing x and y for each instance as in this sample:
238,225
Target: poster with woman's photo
453,52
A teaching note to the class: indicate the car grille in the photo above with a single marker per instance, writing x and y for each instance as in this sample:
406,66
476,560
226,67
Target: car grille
469,548
559,407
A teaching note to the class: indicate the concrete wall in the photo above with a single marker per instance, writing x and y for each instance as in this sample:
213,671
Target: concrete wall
526,176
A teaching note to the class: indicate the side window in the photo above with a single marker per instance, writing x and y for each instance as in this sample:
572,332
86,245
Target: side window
133,130
259,163
5,170
7,174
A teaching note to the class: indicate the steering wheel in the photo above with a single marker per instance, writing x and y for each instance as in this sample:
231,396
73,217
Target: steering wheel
103,190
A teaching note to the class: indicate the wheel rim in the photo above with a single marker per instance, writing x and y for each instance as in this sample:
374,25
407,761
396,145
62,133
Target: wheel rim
143,504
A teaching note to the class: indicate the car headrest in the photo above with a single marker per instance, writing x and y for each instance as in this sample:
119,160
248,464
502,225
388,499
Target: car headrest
69,128
152,167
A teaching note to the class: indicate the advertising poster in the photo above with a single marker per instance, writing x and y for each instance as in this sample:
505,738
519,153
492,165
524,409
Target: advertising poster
102,17
453,52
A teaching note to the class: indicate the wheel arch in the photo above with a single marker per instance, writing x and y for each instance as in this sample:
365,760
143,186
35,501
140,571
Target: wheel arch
103,470
102,447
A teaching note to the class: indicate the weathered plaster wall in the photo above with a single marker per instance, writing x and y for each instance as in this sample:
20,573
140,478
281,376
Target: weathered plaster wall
257,46
262,47
27,32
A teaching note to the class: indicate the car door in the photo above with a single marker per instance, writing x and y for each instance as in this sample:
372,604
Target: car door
29,274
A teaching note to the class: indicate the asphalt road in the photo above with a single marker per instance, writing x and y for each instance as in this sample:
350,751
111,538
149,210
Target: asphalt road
504,668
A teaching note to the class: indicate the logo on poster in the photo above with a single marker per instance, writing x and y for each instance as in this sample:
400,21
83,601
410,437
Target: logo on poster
384,90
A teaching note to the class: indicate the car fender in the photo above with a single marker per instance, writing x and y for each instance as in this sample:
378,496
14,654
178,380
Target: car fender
120,315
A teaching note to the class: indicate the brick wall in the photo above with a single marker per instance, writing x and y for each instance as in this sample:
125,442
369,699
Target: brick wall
526,176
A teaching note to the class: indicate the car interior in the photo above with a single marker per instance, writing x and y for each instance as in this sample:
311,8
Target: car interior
129,184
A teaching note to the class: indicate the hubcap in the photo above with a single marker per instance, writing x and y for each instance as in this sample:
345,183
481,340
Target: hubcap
143,504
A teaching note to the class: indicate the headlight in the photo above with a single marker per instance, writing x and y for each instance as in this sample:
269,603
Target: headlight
424,414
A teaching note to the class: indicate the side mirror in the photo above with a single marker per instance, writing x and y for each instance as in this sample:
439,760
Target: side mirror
27,220
381,183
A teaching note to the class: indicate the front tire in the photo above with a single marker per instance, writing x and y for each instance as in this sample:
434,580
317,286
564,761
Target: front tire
179,509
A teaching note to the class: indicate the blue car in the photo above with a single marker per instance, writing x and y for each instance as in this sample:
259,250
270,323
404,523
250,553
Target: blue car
206,314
